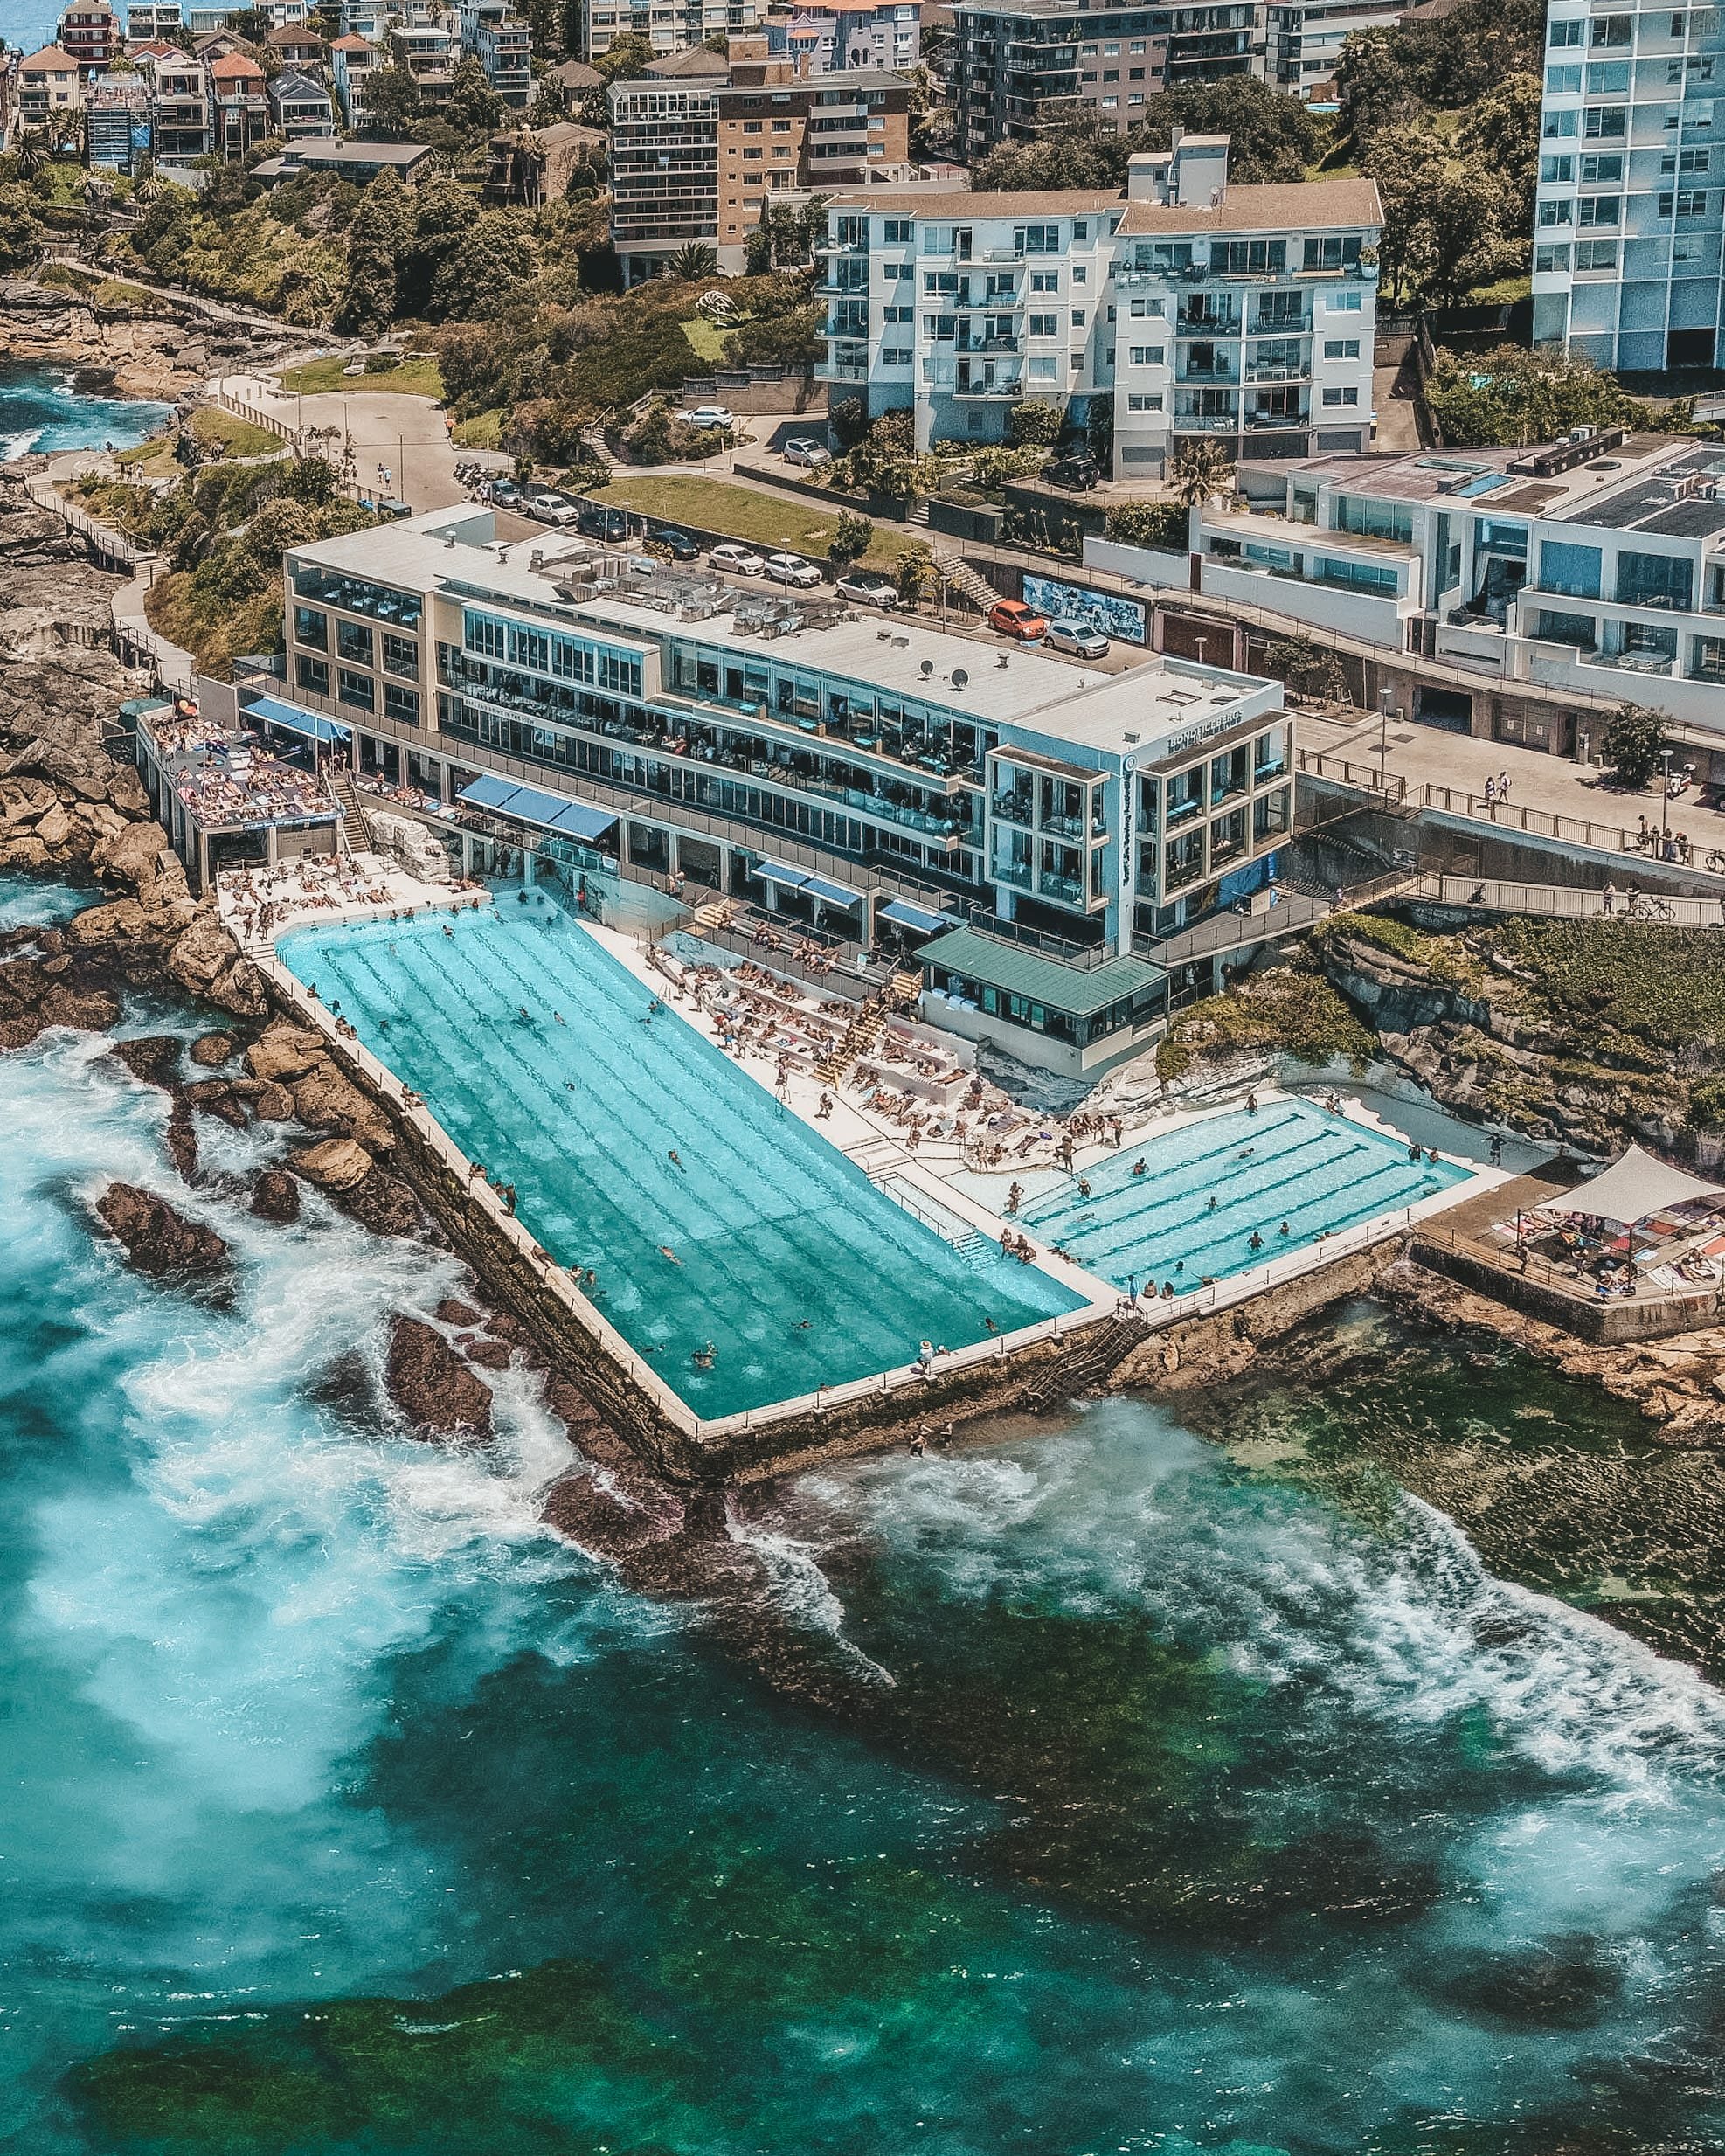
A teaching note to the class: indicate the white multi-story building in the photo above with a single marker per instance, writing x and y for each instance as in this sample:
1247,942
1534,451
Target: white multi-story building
1594,567
1193,306
501,45
671,25
1631,191
824,37
1034,825
147,20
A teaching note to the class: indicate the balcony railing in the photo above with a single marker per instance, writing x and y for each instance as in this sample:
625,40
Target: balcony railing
1011,386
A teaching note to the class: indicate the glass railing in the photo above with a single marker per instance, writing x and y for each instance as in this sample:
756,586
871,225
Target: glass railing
1067,889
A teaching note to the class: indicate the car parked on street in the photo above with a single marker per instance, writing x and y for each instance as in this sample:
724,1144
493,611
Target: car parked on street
793,569
867,588
741,561
711,415
548,507
501,493
678,544
1073,636
804,449
1012,618
609,526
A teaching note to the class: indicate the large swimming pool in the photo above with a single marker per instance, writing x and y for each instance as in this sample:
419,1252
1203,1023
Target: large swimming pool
781,1253
1210,1187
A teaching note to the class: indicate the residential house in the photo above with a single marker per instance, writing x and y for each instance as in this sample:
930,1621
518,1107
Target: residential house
359,162
242,115
297,47
1189,305
90,31
351,59
147,20
533,166
428,48
492,35
300,107
49,87
182,107
116,122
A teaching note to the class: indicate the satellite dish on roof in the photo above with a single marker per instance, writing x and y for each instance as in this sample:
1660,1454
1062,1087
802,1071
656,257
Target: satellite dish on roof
959,677
926,669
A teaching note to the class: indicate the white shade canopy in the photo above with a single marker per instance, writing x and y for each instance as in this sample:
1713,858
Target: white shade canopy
1634,1189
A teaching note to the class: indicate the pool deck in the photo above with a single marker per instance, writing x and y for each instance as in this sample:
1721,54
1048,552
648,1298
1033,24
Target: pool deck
937,1171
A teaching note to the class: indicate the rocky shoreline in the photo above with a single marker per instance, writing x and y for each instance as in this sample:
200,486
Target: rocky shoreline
169,353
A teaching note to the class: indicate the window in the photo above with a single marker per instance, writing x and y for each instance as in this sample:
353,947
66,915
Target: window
1342,396
1044,369
1549,259
401,655
355,688
1333,251
1610,32
353,640
401,704
1341,348
313,673
1564,34
897,229
1606,123
1607,169
1551,627
1036,239
1654,581
1080,274
780,127
1144,400
1142,310
1563,82
1559,127
1044,281
311,628
1569,569
1556,171
1607,78
895,355
1044,325
1373,520
1597,210
1553,214
1147,354
1334,303
1077,318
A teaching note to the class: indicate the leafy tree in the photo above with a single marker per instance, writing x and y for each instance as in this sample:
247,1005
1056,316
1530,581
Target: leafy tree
852,537
1634,739
392,103
21,234
918,579
31,151
1502,131
1035,421
1161,525
1509,396
1199,470
544,28
1085,156
628,55
489,265
379,235
793,340
443,213
1443,216
849,419
1271,135
1307,668
693,260
475,107
1099,434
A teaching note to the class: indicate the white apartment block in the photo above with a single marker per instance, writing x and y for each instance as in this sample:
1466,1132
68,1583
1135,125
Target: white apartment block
672,26
828,36
151,19
1631,191
1194,307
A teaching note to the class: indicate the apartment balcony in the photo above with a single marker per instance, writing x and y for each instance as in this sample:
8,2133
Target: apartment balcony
1302,373
1207,423
1200,323
988,347
1005,389
1270,422
1227,375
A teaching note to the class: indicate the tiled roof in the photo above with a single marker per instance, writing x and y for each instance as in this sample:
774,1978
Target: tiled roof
231,66
50,59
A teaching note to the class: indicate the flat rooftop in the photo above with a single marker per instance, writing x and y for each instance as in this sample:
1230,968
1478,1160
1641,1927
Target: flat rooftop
1638,486
1117,714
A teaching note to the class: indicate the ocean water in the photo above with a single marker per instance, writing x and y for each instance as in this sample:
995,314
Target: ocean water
537,1053
47,408
1212,1185
1150,1804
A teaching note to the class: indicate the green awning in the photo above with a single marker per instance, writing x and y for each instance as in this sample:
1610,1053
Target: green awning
1021,971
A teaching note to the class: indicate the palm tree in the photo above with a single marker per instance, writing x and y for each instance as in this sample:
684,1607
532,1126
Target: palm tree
1199,470
31,152
693,260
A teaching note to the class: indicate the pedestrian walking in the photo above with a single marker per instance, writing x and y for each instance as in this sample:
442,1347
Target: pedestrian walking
1608,900
1491,792
1503,788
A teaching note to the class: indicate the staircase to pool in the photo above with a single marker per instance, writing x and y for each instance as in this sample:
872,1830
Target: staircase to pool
977,1251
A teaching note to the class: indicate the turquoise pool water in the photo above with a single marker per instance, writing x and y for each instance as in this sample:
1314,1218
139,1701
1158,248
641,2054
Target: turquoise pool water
1213,1185
786,1257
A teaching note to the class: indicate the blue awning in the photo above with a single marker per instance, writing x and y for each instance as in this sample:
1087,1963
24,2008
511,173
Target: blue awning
902,914
529,804
835,894
272,712
776,872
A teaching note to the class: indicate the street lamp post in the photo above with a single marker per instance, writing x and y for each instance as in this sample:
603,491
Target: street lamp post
1386,698
1666,756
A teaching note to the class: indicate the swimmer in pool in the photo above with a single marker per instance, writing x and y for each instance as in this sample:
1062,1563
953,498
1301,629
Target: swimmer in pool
676,1159
703,1358
1140,1167
1256,1242
557,1015
1245,1153
1285,1229
1212,1205
665,1250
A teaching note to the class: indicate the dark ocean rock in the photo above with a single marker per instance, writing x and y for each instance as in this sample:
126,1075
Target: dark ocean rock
431,1385
155,1057
155,1237
275,1196
212,1049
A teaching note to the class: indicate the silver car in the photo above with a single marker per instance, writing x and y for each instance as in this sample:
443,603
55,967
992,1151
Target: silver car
1073,636
804,449
867,588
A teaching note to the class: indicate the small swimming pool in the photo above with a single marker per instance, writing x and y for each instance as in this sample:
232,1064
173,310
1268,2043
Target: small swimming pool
785,1255
1212,1185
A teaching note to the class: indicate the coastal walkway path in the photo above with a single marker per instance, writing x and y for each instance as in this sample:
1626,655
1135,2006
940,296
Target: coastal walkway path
1567,903
135,640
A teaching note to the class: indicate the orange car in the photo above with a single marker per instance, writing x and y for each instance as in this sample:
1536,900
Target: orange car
1012,618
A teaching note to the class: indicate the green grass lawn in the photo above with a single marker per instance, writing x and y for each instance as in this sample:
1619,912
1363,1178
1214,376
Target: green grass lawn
1504,293
708,337
484,432
414,378
761,519
215,428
